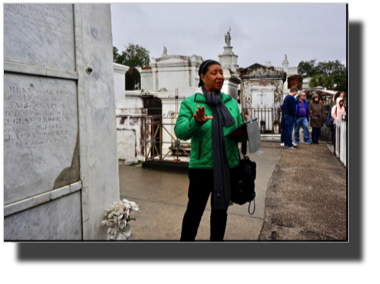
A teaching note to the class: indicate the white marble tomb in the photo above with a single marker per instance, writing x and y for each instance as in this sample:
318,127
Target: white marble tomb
119,71
261,93
60,155
40,133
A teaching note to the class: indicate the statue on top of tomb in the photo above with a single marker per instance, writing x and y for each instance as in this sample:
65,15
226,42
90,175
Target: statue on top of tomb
227,38
165,52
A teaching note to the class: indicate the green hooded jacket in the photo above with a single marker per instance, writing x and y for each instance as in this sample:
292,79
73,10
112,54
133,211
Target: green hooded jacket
186,127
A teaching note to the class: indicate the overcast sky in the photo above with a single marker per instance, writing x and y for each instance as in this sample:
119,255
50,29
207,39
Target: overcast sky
259,32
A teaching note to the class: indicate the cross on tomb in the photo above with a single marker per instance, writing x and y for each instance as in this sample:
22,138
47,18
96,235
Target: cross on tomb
261,95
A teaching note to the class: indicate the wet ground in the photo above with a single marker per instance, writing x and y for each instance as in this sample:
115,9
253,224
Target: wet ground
301,195
162,197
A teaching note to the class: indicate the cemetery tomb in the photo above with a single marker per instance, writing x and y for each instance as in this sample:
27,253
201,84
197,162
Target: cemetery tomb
60,163
262,94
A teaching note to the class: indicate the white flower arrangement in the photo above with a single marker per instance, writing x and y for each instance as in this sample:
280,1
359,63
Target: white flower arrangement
117,218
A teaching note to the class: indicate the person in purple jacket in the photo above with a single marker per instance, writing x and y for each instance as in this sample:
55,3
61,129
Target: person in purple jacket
302,118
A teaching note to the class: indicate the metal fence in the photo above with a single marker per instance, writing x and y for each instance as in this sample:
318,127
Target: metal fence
153,136
266,117
340,140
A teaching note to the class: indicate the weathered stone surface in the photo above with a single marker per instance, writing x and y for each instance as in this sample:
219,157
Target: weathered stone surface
26,203
175,71
59,120
56,220
75,186
39,34
40,133
99,164
306,197
126,144
146,79
119,71
59,192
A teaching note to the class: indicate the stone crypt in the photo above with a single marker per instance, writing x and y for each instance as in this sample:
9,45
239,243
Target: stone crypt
261,93
60,153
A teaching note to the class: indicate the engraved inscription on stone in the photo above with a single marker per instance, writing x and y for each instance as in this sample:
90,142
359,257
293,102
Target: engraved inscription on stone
39,34
40,133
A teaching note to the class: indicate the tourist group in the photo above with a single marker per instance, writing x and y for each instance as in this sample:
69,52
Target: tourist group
297,112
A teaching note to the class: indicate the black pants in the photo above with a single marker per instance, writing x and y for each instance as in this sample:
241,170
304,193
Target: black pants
200,187
315,134
333,134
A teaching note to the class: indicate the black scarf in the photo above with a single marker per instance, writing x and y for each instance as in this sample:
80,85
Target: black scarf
221,117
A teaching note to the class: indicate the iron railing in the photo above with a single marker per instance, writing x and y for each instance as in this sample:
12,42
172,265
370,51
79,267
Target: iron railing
153,135
341,140
265,118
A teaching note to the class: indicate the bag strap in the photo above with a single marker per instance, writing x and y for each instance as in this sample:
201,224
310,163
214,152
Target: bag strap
254,208
244,148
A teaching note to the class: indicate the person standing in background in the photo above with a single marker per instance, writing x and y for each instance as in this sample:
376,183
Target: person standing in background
302,118
337,112
316,117
289,112
343,95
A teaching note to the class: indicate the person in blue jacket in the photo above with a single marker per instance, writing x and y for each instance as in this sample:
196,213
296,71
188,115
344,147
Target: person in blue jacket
302,118
289,110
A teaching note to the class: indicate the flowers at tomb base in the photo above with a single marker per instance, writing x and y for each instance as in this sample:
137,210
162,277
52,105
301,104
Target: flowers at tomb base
117,218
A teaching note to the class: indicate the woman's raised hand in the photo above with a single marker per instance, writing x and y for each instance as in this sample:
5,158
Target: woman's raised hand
200,115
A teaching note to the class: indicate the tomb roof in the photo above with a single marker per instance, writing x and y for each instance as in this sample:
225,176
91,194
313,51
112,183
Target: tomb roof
260,71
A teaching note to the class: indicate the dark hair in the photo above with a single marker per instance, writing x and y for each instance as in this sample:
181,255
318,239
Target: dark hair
293,89
203,68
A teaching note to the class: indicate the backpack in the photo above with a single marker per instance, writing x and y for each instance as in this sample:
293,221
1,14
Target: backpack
329,119
244,191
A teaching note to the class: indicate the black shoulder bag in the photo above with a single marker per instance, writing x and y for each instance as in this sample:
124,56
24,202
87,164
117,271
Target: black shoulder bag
329,119
244,191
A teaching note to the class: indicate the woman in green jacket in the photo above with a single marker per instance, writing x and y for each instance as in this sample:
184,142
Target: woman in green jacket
205,118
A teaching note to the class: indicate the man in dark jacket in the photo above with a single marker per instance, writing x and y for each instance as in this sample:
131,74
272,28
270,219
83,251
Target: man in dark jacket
289,110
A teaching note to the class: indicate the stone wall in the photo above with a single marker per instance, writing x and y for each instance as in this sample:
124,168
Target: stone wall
119,71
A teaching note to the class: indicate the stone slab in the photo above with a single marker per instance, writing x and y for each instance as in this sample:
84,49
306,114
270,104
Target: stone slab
40,133
59,192
26,203
24,68
41,198
75,186
98,143
38,70
39,34
126,148
59,219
